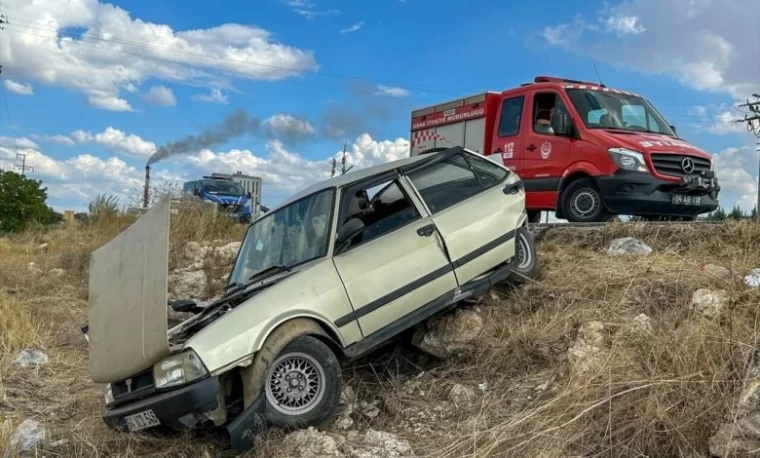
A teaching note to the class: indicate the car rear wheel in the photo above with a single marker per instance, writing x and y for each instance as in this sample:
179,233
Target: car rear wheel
527,257
582,202
302,387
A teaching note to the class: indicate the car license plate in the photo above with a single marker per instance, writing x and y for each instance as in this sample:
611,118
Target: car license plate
142,420
684,199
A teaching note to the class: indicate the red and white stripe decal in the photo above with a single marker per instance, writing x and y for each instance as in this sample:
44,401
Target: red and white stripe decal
421,136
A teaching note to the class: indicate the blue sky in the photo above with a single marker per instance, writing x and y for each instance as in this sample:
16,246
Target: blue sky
93,88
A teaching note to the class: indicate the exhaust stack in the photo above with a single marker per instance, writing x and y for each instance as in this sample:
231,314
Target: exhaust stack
147,186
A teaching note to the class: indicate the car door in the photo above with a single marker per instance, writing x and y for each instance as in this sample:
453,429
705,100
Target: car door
397,264
475,206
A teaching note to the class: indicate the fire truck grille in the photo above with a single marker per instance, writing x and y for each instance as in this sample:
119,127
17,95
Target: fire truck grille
672,164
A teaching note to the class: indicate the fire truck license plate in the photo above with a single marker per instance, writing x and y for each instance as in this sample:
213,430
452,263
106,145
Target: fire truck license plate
142,420
682,199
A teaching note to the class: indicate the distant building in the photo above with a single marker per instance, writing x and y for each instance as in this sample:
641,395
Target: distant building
250,184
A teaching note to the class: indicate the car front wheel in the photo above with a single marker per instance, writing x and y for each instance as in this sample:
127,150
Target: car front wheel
303,384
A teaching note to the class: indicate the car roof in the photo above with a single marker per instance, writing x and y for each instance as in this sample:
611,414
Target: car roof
341,181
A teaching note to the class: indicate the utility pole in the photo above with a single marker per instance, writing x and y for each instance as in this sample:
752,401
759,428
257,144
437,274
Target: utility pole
23,167
752,118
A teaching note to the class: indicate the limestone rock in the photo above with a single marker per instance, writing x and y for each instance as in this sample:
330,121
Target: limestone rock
641,325
375,444
462,395
729,441
310,443
752,279
195,253
588,348
188,284
628,245
228,252
57,272
709,303
444,335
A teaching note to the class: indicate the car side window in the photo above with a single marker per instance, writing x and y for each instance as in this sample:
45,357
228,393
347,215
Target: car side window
511,112
446,183
382,207
487,173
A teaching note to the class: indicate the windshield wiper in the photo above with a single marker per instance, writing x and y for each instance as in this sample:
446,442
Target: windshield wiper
269,271
235,287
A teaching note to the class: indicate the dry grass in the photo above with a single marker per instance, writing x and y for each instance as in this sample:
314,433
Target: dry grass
660,395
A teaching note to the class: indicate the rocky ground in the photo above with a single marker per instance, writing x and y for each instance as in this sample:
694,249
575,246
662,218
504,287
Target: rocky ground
633,341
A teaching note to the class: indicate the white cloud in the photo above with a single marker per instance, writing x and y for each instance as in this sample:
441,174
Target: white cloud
623,25
736,169
311,14
214,96
17,142
709,45
73,182
116,140
353,28
391,91
57,139
102,62
19,88
287,127
109,103
725,124
161,96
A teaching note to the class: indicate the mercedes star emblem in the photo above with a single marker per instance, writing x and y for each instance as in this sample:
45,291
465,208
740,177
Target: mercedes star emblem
687,164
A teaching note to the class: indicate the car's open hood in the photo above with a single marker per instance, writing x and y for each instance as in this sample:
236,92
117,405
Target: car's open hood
651,142
128,307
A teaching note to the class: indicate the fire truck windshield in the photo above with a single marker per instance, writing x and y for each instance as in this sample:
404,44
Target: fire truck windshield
612,110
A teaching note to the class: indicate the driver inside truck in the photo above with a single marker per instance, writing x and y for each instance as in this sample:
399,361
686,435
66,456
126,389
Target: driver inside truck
544,121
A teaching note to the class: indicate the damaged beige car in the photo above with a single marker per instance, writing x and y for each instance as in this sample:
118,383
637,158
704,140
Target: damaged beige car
333,273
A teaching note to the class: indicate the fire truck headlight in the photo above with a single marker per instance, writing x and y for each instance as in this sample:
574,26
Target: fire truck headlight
628,159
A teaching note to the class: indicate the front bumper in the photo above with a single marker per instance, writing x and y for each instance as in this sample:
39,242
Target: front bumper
169,406
641,194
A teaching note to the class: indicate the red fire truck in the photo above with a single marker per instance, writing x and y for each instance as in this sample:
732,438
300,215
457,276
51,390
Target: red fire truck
583,150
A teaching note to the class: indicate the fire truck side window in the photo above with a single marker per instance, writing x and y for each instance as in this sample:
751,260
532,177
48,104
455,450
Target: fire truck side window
511,112
549,114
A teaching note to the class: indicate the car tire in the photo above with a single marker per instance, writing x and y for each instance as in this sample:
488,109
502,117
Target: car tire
302,386
582,202
527,257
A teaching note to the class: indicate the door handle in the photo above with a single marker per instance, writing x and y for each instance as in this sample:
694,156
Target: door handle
532,147
513,188
426,231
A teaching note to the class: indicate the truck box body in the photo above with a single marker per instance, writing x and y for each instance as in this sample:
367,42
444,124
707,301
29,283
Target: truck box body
583,150
461,122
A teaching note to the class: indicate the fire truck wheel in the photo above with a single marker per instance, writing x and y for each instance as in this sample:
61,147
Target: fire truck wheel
582,202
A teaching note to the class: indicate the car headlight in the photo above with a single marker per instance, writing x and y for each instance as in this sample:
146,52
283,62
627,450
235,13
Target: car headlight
178,369
628,159
108,393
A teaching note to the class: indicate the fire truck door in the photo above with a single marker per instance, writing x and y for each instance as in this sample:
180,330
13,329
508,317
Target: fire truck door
507,141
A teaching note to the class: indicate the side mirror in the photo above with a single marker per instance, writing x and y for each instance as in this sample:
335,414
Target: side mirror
673,128
196,192
349,230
